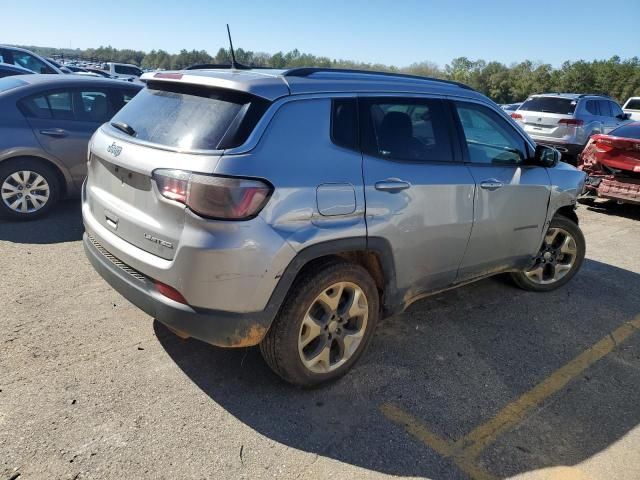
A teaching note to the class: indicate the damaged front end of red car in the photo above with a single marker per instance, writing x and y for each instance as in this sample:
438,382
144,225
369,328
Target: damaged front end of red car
612,165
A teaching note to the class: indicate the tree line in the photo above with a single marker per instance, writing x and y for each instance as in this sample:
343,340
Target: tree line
619,78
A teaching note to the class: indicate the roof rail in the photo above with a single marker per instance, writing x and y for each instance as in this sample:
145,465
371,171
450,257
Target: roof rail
208,66
306,71
594,95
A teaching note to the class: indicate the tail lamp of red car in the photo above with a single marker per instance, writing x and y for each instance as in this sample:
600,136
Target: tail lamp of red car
214,196
605,143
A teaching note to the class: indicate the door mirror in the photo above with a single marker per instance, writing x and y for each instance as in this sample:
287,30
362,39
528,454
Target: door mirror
546,156
624,116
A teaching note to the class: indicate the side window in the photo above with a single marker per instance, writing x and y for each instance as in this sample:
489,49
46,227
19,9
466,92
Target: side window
94,106
489,138
615,109
60,105
407,129
605,110
35,107
27,60
592,107
56,105
344,123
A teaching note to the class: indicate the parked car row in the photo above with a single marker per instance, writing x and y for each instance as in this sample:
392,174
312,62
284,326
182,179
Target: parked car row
46,123
20,57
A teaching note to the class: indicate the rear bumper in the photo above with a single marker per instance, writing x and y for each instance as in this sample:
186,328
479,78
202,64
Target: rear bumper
220,328
628,192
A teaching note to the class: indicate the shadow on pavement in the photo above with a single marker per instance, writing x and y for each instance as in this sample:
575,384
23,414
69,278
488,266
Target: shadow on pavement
610,207
453,361
63,224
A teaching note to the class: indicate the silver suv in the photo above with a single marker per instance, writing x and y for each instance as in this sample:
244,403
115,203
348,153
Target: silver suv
293,209
565,121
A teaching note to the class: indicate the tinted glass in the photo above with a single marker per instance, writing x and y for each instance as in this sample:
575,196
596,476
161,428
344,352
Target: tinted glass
615,109
192,118
124,70
564,106
592,107
406,129
344,123
60,105
633,104
605,110
630,130
490,139
94,106
27,60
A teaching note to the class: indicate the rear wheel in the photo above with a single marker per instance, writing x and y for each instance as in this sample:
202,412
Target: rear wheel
324,326
29,189
559,259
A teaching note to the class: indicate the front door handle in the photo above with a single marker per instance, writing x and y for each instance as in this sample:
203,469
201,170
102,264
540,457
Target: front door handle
491,184
54,132
392,185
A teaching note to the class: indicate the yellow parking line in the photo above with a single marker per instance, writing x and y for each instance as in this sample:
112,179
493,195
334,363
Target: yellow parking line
414,427
481,437
463,452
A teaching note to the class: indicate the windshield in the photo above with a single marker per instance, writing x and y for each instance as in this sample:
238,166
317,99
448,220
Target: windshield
565,106
187,117
10,82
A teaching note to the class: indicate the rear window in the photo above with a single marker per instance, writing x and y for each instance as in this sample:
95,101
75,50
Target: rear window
631,130
633,104
188,117
9,83
564,106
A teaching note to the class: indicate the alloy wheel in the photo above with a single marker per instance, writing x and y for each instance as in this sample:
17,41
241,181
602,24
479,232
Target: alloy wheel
333,327
555,258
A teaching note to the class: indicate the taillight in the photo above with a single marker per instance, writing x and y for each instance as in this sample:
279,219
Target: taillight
516,116
212,196
606,143
574,122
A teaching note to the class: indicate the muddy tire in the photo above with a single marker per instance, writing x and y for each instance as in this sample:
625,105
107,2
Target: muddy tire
324,325
29,189
559,259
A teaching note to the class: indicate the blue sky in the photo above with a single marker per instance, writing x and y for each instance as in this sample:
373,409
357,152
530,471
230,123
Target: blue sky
391,32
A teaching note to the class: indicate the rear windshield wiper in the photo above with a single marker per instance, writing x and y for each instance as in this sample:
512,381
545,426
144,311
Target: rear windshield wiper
123,127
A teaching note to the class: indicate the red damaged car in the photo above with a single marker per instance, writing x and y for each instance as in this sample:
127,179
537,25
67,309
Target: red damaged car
612,164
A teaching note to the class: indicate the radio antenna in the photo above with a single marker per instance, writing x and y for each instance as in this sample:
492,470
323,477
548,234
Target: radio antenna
234,64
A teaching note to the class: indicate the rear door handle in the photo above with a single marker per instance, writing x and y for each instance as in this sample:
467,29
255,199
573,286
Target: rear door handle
491,184
54,132
392,185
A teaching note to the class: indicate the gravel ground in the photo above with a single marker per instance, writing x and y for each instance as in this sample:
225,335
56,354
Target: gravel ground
92,388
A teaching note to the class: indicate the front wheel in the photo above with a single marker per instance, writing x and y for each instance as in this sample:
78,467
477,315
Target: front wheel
324,326
558,260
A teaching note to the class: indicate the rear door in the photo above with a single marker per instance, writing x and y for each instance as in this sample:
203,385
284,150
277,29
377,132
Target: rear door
419,195
64,120
511,197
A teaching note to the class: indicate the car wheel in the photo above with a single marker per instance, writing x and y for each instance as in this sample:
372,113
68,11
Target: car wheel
324,325
559,259
29,189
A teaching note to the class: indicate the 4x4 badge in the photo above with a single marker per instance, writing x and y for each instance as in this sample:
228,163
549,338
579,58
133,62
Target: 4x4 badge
114,149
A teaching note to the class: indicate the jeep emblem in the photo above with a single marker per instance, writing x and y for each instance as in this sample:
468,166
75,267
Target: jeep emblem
114,149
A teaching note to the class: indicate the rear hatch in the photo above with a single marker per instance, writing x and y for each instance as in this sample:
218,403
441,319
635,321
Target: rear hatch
551,117
172,126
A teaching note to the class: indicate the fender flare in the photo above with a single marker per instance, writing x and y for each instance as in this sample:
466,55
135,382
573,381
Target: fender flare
379,246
